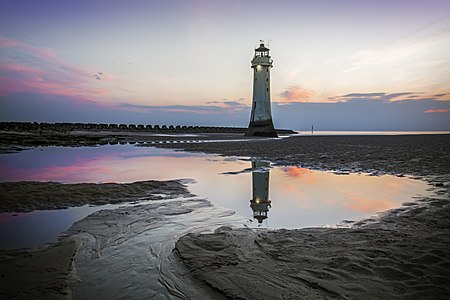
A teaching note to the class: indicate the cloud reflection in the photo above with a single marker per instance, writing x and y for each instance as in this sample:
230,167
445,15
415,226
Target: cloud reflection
298,197
368,205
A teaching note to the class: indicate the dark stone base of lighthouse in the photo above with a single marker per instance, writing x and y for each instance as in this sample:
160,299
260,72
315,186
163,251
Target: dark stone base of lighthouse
261,128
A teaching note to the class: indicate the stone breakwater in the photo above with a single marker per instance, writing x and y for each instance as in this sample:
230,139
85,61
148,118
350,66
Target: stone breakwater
68,127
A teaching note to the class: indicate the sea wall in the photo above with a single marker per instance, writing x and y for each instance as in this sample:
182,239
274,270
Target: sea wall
66,127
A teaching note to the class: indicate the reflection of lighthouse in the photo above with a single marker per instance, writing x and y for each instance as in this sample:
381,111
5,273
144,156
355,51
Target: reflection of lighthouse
260,202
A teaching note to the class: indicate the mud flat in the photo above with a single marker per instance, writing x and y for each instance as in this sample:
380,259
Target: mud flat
44,273
13,141
49,272
30,195
17,136
402,255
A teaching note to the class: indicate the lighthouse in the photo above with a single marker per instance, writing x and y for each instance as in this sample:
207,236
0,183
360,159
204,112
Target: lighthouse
260,202
261,116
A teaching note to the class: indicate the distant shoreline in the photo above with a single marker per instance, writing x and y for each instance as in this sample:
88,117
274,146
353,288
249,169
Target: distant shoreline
69,127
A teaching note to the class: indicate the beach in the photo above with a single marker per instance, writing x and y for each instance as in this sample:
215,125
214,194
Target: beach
402,254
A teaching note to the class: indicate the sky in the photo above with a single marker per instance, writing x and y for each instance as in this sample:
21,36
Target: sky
338,65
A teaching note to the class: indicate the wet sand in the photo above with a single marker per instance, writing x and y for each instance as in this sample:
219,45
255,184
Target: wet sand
43,273
30,195
402,255
48,272
14,141
405,256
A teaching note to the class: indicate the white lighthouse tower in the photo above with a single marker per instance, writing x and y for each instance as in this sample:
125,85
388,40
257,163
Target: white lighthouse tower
261,117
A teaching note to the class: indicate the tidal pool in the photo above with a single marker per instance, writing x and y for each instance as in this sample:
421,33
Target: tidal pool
264,195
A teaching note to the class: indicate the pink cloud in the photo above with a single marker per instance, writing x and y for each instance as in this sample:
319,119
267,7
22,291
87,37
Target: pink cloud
437,110
8,43
43,72
20,68
43,86
295,94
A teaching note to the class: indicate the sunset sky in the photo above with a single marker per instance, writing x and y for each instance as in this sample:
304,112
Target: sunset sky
338,65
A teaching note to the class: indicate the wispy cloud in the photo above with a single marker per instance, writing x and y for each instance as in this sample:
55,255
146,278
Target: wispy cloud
391,97
295,94
441,95
225,103
195,109
358,95
42,55
419,60
28,69
415,48
233,103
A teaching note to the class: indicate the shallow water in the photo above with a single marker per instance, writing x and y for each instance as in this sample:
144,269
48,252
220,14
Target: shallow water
126,247
288,197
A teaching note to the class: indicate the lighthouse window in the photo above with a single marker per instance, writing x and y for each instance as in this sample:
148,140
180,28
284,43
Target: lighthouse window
267,89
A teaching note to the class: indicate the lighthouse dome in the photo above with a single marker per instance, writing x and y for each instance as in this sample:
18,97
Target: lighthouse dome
262,48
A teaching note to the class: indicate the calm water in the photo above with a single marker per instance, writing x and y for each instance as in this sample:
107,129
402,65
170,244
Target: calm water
275,197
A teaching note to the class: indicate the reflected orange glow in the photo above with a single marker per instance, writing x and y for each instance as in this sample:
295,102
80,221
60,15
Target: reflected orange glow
288,187
368,205
306,175
296,190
